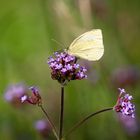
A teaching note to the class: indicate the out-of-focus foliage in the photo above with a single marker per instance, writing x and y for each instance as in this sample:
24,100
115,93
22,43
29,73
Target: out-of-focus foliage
27,28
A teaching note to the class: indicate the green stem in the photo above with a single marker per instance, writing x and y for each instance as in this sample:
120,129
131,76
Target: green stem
50,122
61,114
85,119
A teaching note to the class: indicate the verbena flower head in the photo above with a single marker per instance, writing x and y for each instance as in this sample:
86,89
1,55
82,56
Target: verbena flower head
64,68
125,76
35,97
14,92
130,125
124,104
43,127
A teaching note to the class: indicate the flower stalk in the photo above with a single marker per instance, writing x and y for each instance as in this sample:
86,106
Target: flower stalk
77,125
50,122
61,114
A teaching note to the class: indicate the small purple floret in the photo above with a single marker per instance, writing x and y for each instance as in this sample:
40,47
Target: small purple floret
23,98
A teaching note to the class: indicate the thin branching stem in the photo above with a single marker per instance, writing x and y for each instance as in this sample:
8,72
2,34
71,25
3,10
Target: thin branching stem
50,122
77,125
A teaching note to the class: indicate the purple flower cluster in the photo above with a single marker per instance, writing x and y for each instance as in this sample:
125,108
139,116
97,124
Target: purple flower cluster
64,68
43,127
124,104
130,125
14,92
35,97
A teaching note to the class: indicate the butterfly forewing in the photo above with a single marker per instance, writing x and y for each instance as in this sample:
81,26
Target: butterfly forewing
88,46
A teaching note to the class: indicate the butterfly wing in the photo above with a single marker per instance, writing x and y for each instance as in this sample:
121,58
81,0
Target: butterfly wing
88,46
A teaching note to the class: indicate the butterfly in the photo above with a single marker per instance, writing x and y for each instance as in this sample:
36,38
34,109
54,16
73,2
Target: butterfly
88,46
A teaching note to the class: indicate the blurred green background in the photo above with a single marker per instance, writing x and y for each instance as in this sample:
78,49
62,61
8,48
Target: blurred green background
27,28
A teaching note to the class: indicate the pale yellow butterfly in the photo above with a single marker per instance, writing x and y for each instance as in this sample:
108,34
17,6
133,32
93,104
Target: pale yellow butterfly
88,46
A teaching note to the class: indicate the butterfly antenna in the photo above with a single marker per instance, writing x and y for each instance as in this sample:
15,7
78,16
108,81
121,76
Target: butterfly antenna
62,45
